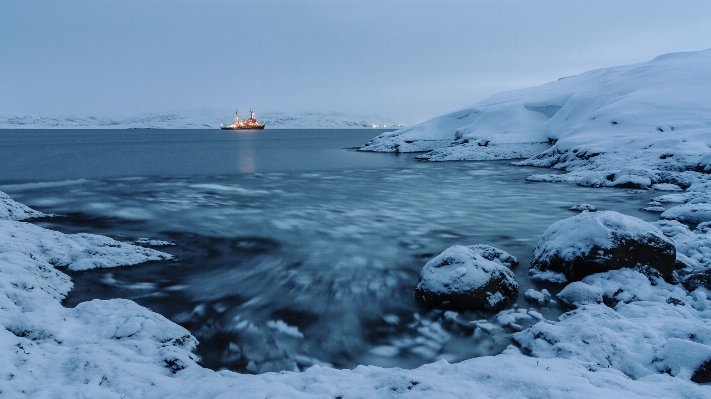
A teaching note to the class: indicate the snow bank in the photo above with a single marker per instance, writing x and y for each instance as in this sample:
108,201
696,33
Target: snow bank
616,126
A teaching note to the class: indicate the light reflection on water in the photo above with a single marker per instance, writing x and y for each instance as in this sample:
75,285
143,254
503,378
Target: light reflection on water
284,270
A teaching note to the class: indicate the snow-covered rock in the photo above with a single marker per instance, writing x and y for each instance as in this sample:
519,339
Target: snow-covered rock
578,293
543,297
463,278
583,207
689,213
593,242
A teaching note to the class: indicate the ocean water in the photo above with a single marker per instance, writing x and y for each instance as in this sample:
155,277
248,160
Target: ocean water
292,249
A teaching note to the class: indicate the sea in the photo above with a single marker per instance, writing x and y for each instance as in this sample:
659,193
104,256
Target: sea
291,248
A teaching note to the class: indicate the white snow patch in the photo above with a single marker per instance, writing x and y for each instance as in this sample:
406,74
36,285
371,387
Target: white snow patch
578,293
689,213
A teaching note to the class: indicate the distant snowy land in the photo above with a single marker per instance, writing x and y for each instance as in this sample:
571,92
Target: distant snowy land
634,329
628,120
204,118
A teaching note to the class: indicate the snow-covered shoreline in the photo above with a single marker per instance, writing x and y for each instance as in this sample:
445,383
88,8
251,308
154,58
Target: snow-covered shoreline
647,339
116,348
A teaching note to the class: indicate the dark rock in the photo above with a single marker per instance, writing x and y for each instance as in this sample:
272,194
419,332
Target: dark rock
595,242
702,373
696,280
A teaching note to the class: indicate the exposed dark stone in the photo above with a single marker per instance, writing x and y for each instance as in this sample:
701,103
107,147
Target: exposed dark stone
696,280
703,373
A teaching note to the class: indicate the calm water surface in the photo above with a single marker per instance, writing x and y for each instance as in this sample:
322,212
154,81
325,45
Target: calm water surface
291,250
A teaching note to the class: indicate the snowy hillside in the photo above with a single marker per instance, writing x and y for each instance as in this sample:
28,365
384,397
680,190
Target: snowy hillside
204,118
655,115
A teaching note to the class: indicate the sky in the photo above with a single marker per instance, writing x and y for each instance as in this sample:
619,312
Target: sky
406,60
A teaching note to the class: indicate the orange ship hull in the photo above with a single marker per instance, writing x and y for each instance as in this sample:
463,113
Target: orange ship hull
233,127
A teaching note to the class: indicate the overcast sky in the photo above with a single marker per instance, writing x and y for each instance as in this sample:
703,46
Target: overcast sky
409,60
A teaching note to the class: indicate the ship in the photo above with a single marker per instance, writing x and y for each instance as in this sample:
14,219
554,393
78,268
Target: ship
248,124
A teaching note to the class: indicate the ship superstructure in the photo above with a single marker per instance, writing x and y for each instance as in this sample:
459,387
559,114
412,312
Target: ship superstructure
245,124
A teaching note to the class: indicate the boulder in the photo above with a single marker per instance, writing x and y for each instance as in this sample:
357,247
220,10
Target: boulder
462,278
594,242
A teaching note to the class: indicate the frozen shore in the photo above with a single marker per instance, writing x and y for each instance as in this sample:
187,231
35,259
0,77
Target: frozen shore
116,348
639,337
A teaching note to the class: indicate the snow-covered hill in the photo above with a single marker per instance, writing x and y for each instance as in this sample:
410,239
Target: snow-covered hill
203,118
653,115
